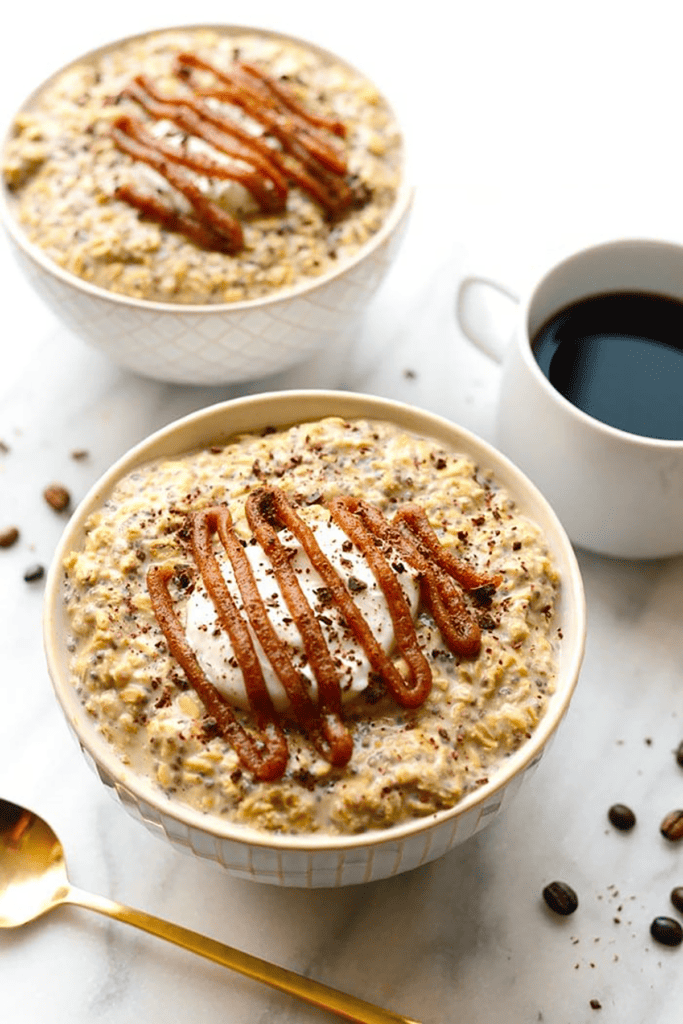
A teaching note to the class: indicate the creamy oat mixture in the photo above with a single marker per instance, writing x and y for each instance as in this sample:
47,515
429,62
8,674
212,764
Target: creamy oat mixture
63,168
405,762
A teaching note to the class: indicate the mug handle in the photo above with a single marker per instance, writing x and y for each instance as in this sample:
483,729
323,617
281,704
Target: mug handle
487,341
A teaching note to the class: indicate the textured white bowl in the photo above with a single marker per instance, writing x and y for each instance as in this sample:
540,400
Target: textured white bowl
315,860
220,343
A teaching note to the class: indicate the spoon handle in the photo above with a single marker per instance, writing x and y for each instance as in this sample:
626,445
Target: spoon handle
311,991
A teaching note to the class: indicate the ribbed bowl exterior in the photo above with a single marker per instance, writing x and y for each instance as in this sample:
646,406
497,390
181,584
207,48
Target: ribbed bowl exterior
317,860
317,868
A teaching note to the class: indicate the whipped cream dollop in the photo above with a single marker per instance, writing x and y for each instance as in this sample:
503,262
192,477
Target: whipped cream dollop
212,646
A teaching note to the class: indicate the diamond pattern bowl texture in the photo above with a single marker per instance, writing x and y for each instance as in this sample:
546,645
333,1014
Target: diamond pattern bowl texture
220,343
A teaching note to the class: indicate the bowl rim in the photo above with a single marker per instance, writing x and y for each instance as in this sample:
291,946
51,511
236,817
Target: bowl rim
314,404
401,204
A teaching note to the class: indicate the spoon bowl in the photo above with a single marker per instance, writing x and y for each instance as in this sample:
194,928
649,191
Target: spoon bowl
33,876
33,880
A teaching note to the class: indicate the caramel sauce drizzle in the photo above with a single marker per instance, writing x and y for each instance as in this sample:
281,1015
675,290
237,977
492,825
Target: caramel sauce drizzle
415,690
302,154
268,511
128,138
286,96
267,199
265,757
469,579
154,208
225,135
323,723
311,164
247,87
420,546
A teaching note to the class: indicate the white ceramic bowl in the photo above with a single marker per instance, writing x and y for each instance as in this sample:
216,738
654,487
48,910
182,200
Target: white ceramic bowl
316,860
219,343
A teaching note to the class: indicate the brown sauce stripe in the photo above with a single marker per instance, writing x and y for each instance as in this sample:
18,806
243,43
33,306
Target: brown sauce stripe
265,757
154,208
415,690
380,662
124,134
329,190
468,578
286,96
268,511
193,115
250,180
306,157
266,198
293,125
224,135
250,91
440,592
311,167
203,526
259,509
333,743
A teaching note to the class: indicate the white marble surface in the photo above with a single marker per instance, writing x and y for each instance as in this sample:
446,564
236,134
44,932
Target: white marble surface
536,127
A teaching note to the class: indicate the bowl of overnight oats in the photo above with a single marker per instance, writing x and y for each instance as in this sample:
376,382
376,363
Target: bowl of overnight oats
318,637
206,205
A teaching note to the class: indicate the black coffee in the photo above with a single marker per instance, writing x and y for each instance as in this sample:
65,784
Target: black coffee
619,358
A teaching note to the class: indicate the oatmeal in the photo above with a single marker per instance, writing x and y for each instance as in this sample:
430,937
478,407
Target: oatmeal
204,165
332,627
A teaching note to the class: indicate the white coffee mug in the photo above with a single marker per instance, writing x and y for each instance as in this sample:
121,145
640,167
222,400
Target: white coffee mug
617,493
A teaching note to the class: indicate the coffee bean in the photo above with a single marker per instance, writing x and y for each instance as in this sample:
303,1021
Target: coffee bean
622,817
666,931
672,826
57,497
679,754
561,898
677,898
33,573
8,537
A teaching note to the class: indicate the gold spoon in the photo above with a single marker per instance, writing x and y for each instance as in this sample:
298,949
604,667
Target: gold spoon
33,880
